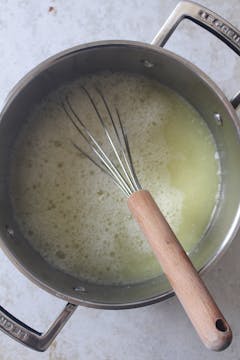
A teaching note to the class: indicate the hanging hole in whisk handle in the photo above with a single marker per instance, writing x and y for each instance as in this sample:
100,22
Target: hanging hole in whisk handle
221,325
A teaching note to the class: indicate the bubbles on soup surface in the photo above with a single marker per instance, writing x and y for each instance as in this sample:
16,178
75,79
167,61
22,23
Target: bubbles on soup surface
74,215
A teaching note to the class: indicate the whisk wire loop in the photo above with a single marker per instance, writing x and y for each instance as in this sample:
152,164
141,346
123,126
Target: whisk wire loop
125,150
121,171
97,149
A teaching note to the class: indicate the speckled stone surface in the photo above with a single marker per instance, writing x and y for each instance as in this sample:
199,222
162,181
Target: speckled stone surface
29,33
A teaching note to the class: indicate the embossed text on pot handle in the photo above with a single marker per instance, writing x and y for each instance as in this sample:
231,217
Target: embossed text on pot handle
30,337
203,17
206,18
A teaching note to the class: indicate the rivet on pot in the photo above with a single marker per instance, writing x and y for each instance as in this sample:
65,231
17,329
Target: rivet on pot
218,119
148,64
80,289
9,231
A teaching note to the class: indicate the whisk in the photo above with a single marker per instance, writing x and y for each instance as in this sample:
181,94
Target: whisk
200,307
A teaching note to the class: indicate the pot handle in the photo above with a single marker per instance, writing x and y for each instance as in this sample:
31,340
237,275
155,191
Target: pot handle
30,337
209,21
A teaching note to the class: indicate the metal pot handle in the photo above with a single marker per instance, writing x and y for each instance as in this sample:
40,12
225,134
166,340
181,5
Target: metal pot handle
209,21
30,337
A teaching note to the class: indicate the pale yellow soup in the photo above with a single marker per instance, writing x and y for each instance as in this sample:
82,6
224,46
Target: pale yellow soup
75,216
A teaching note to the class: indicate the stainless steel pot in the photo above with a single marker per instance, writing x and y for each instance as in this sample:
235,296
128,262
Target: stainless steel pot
171,70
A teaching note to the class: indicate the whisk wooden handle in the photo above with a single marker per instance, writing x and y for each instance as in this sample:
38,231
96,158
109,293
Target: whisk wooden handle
200,307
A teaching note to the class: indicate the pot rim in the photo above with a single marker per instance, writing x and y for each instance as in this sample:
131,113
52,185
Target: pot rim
43,66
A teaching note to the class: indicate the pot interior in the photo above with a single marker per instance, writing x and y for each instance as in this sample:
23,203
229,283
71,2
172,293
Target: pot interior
169,70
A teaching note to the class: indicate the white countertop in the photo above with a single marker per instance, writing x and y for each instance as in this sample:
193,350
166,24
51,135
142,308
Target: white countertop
29,33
